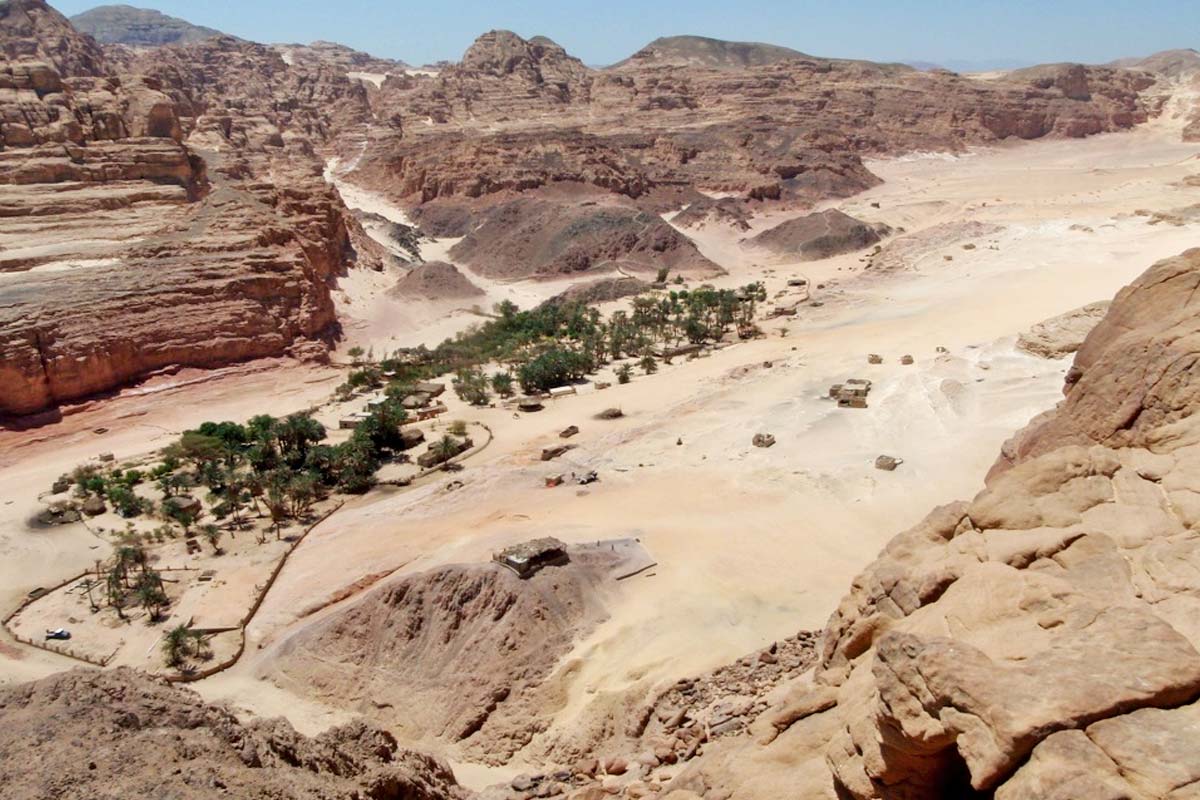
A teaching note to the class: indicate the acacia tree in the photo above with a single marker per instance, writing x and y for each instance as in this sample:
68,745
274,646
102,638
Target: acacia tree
301,492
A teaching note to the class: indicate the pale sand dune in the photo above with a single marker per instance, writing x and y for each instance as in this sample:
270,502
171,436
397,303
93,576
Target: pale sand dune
752,544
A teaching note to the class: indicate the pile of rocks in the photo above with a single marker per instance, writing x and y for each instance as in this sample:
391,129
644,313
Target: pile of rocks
727,700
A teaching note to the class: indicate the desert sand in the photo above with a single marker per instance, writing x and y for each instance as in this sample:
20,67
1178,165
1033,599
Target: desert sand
752,544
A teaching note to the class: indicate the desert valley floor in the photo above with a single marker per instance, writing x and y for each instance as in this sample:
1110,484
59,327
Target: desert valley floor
751,544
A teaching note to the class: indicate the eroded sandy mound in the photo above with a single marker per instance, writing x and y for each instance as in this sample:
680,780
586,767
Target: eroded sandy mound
121,733
529,238
436,280
465,653
816,236
729,211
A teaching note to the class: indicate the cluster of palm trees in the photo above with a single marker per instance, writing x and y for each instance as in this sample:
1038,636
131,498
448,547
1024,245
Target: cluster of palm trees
555,343
130,577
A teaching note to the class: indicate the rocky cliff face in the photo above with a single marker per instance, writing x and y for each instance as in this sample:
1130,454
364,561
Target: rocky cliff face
1040,640
160,210
121,733
525,115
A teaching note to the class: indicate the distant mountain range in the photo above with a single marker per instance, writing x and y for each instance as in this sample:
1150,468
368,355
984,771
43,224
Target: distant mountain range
142,27
701,51
138,27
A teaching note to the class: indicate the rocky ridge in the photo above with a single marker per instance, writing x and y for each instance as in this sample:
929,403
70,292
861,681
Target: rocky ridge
121,733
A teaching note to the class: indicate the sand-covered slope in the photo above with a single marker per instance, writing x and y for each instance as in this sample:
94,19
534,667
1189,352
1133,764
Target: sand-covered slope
120,734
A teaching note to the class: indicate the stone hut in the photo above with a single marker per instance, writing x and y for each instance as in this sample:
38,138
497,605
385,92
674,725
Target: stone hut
527,558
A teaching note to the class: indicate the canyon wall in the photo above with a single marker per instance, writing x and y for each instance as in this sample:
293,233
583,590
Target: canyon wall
160,209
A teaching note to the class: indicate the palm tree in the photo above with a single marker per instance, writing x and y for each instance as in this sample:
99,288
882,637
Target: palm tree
445,448
114,585
176,644
150,594
213,534
502,384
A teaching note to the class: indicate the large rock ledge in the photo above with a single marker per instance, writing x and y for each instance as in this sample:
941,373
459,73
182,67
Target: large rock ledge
1040,640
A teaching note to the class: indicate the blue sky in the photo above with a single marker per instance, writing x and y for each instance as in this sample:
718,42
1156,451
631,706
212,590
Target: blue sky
942,31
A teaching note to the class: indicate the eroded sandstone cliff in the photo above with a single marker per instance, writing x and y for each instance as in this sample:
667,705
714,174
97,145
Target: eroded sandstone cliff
518,115
160,210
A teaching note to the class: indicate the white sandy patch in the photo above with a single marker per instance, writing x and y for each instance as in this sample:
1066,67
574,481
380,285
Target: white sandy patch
376,79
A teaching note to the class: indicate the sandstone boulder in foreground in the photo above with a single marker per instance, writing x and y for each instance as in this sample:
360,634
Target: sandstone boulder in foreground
1040,641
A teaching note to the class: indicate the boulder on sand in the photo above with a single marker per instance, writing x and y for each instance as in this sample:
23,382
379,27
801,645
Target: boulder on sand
1062,335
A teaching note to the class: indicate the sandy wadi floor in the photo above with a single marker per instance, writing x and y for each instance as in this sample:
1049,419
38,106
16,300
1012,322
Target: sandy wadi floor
752,544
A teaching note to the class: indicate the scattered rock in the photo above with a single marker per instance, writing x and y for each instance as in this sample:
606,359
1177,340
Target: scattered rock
888,463
59,514
763,440
94,506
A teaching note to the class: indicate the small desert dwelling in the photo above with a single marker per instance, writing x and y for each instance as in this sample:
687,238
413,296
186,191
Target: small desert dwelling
527,558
